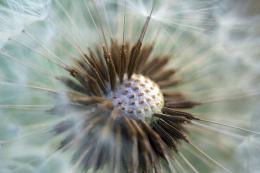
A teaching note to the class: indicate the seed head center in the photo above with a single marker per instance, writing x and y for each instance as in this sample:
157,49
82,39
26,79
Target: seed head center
138,97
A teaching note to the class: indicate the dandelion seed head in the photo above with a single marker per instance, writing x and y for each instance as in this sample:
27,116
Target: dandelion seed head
84,65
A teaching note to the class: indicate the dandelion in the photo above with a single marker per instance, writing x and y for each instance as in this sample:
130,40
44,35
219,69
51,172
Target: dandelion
126,86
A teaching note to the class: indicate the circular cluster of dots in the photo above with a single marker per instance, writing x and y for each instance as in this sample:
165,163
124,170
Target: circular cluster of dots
138,97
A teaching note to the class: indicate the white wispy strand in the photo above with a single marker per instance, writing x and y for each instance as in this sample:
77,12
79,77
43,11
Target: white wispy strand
15,15
187,15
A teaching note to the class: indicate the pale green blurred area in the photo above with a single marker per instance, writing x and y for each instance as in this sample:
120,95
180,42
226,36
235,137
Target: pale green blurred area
28,155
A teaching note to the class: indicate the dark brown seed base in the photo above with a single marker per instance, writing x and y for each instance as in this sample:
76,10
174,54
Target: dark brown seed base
101,137
124,144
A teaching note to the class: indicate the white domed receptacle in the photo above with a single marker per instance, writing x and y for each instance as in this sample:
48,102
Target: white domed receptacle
138,97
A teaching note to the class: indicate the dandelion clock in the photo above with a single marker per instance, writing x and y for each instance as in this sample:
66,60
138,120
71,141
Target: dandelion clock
129,86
